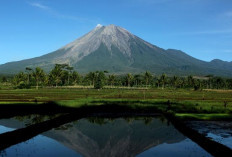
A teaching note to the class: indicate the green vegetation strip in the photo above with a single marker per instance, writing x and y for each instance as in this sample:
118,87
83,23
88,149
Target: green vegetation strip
211,116
188,104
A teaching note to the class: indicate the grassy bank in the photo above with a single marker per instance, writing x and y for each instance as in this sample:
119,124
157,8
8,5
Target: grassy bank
186,104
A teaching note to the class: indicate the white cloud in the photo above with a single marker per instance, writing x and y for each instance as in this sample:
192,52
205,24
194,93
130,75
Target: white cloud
228,14
41,6
99,25
57,14
207,32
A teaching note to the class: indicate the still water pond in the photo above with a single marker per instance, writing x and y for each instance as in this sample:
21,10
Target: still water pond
219,131
98,137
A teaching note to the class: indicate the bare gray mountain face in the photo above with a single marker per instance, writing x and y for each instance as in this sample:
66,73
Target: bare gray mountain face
116,50
109,36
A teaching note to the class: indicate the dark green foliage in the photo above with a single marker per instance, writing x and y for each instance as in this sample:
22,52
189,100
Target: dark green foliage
111,80
100,80
64,75
147,77
3,79
20,79
59,75
39,76
129,79
92,76
75,78
23,85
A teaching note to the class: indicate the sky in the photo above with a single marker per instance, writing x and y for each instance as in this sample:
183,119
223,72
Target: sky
200,28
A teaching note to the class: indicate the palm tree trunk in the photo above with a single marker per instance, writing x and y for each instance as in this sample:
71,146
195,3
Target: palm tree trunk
68,79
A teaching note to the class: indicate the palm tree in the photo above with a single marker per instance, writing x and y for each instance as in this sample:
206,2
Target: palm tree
4,79
69,69
56,74
19,78
129,78
75,77
100,80
28,70
138,79
190,81
39,76
92,77
147,77
111,79
163,80
175,81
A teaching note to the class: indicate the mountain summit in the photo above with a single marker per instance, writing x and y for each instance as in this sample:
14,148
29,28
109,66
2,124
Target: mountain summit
117,50
109,36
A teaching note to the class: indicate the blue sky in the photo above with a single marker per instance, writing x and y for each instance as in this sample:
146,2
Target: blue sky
201,28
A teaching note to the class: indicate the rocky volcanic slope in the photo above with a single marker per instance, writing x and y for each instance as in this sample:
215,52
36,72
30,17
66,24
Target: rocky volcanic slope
116,50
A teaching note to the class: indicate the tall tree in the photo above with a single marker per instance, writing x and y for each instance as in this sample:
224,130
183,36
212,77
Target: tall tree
39,76
28,70
4,79
175,81
147,77
56,74
100,80
111,80
190,81
163,80
20,77
69,69
75,77
129,79
91,76
138,79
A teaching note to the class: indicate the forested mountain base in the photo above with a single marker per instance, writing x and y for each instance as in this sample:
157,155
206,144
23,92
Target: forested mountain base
64,75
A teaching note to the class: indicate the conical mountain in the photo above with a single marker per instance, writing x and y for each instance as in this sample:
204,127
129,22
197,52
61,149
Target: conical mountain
115,49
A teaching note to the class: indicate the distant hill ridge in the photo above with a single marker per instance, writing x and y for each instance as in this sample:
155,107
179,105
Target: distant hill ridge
116,50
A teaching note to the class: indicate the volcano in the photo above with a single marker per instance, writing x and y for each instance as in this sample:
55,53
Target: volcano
116,50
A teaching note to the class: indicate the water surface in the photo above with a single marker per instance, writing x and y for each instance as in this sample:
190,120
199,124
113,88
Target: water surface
99,137
219,131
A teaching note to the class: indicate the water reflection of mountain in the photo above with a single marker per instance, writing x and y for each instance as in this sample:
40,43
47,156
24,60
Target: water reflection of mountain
116,138
112,138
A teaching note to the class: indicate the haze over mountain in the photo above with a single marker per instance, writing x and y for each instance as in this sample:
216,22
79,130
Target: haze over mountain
116,50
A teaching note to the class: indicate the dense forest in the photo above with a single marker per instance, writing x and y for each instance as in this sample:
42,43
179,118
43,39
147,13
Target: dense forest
64,75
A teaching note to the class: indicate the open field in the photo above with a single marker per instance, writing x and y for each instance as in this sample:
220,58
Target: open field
185,103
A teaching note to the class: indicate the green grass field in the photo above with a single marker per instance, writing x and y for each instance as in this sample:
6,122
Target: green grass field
187,104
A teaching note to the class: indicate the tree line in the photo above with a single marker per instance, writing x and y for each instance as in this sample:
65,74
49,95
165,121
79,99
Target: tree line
65,75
